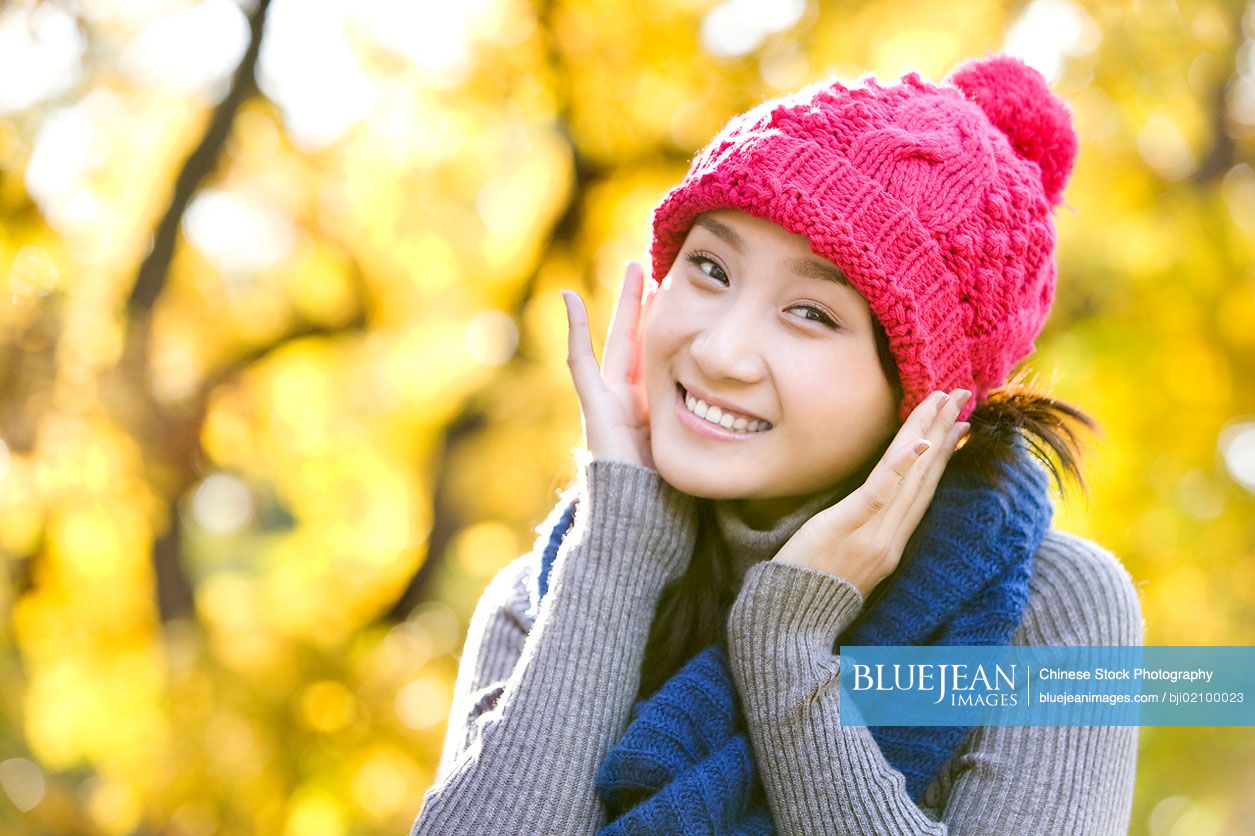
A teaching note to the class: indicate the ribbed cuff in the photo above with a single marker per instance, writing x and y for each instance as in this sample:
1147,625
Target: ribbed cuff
781,632
638,529
781,600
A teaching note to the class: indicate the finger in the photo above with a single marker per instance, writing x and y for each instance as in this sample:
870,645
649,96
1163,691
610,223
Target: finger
932,462
876,494
911,516
885,481
914,428
921,418
649,291
580,357
621,336
915,513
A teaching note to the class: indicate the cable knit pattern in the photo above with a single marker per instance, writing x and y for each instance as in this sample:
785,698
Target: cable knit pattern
934,200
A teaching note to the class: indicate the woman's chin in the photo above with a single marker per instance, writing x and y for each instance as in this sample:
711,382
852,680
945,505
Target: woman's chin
697,479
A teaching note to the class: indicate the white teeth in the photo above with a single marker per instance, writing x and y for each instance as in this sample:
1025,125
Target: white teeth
715,415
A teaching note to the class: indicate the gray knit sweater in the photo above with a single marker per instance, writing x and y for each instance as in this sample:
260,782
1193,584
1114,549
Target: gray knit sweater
542,696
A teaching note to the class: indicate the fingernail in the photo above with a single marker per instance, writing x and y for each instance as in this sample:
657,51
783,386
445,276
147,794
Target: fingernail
964,395
921,445
964,426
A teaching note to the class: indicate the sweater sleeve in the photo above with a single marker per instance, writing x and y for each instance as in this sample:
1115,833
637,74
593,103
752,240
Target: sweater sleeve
821,777
528,763
494,643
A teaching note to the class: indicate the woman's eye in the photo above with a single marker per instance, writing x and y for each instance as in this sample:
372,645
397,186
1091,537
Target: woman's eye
819,316
708,266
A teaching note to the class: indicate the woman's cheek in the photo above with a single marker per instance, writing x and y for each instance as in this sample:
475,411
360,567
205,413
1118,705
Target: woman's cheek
659,318
652,351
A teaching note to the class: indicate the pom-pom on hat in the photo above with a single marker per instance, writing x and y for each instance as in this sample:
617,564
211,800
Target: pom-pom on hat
935,201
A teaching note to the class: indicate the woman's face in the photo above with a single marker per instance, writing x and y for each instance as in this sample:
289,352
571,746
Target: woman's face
751,319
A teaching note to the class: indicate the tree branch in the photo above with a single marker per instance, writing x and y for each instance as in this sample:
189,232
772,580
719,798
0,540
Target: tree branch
154,271
170,439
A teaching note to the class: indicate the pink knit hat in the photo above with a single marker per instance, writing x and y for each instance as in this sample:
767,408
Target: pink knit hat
935,201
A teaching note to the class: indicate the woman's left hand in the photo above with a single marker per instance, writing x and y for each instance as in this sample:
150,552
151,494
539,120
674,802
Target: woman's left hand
862,537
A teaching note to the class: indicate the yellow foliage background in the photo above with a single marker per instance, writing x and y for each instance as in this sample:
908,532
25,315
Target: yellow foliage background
282,377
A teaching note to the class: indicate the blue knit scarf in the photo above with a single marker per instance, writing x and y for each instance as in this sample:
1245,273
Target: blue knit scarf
685,764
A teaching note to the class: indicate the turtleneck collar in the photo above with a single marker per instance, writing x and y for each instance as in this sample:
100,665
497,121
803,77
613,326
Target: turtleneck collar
748,545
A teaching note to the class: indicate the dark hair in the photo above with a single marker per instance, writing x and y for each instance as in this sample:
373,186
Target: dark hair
693,610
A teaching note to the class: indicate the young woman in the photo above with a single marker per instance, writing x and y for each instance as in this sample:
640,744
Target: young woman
803,435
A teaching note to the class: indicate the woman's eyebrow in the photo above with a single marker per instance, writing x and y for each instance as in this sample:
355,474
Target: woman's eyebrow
816,269
724,231
810,267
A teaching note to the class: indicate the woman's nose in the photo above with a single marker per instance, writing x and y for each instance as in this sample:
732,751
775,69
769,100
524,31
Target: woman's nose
729,349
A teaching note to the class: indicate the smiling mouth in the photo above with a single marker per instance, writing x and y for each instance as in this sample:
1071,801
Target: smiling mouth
717,417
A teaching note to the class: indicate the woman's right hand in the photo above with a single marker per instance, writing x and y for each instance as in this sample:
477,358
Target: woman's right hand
612,404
